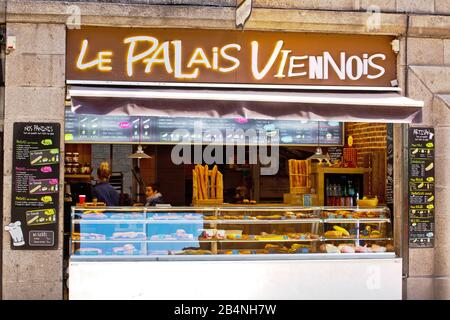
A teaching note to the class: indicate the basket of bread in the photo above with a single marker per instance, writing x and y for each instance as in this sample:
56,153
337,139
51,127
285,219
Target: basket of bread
207,186
299,176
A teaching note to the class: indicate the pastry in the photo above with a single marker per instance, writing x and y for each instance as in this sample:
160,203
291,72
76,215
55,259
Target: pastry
89,251
372,214
346,249
333,234
377,248
361,249
128,235
329,248
91,236
342,230
195,251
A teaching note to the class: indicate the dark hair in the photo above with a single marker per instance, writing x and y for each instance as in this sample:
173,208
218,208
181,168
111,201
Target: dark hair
154,185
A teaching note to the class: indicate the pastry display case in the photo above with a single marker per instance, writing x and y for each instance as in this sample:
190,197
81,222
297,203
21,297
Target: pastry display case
246,232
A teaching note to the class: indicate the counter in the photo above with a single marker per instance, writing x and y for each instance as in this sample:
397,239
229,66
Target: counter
233,252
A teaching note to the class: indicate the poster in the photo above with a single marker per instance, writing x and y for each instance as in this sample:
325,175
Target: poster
421,187
35,186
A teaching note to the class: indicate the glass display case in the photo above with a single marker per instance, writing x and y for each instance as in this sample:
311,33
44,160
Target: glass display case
229,231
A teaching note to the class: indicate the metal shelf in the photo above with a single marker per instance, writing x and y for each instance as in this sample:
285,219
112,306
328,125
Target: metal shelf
109,221
198,221
363,220
357,239
194,241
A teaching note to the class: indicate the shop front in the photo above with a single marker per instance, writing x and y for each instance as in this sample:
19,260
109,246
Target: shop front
272,150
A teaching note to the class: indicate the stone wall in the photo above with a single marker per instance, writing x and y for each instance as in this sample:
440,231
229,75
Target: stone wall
429,80
35,81
414,6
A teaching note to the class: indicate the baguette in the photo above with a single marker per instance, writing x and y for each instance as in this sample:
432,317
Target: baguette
290,172
194,185
308,172
199,181
302,172
213,182
202,182
206,172
294,177
300,177
219,186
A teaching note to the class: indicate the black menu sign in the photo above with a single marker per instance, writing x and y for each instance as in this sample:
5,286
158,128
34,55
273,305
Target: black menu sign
35,186
421,187
80,128
390,166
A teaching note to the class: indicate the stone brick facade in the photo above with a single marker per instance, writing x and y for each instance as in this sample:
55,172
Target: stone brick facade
35,81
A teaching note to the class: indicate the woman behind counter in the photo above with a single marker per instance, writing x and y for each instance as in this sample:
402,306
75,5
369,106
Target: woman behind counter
103,191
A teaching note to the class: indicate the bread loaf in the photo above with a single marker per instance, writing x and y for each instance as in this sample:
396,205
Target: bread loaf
206,178
219,186
213,182
194,185
199,170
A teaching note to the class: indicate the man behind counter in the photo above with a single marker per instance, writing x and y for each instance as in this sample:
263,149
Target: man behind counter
154,197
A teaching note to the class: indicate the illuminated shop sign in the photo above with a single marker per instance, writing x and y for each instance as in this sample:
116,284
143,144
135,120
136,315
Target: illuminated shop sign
212,56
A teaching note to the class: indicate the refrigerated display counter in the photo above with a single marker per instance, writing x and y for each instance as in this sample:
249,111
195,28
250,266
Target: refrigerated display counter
246,252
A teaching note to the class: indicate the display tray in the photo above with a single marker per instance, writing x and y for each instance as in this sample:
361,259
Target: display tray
128,232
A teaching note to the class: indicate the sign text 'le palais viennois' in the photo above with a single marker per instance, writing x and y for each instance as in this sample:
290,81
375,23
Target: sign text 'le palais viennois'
216,56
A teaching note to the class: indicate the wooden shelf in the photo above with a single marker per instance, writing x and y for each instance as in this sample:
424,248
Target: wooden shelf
77,176
317,169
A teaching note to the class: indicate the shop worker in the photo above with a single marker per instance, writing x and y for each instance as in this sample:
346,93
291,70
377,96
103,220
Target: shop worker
103,191
154,197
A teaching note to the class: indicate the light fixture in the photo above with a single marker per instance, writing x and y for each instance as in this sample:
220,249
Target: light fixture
139,154
318,155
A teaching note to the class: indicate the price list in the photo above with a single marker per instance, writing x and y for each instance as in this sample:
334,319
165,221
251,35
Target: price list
173,130
35,186
421,189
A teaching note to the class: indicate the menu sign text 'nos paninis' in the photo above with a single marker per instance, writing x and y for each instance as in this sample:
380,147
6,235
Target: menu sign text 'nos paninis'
421,187
219,56
35,186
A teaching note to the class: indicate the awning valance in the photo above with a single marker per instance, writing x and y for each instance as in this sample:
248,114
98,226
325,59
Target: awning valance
252,104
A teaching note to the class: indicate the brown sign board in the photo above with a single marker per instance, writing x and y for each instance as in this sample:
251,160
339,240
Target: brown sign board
228,56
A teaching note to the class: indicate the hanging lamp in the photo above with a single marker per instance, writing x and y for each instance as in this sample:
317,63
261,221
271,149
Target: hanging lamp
139,154
318,155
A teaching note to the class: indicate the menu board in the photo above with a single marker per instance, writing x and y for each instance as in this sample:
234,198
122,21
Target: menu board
173,130
335,154
35,186
390,166
421,187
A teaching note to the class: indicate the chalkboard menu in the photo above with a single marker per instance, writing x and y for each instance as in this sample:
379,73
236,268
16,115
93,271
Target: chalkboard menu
421,187
172,130
390,166
35,186
335,154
